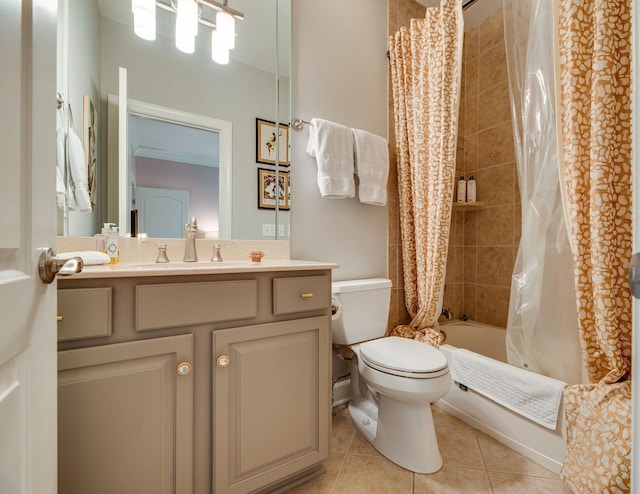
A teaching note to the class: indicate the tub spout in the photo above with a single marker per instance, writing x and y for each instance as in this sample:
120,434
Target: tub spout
447,313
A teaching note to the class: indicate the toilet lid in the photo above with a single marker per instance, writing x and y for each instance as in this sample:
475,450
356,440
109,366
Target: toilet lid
402,354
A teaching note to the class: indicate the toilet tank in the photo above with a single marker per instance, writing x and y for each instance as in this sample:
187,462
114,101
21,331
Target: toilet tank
364,310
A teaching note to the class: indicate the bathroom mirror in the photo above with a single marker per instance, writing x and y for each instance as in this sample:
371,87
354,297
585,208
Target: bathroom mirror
96,38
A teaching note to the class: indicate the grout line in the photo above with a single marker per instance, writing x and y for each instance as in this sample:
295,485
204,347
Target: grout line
335,482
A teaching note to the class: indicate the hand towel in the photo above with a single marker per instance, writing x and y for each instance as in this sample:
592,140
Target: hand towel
61,193
331,144
532,395
372,167
89,257
79,173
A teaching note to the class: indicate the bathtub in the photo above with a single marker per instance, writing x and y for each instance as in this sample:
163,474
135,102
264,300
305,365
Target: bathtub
542,445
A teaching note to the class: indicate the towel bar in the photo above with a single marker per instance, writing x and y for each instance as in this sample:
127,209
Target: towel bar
298,124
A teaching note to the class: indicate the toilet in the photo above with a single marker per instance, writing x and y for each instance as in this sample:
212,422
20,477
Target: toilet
393,380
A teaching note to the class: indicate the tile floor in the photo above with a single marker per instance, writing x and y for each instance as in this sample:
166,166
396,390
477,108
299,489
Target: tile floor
473,463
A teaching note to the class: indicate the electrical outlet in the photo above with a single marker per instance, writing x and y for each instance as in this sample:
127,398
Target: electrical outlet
268,230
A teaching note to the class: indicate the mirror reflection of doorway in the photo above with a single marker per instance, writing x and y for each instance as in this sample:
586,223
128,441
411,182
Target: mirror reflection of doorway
174,174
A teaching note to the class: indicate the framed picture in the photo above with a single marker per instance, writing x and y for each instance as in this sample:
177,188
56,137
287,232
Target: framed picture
266,143
90,145
270,187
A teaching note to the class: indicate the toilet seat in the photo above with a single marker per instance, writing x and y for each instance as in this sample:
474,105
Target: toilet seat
403,357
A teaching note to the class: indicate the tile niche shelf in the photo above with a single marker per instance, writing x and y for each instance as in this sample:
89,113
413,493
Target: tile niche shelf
468,206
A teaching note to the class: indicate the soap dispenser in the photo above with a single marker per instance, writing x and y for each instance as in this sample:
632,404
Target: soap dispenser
111,243
101,237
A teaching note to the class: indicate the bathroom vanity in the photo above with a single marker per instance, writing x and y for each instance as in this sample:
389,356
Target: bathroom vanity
194,377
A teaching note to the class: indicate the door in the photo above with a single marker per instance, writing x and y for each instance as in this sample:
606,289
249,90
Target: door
271,402
27,224
162,212
125,417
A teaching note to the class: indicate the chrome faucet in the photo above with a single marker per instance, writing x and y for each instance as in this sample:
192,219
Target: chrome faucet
447,313
217,257
190,229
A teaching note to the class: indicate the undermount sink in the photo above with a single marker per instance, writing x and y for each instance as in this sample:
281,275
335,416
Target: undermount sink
190,265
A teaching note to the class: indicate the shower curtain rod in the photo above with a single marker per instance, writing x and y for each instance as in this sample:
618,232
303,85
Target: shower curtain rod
465,5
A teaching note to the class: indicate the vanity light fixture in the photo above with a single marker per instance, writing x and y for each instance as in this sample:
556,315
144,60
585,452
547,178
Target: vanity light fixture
144,18
190,13
186,25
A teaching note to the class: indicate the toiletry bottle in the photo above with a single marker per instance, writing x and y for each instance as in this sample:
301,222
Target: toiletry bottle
471,189
111,242
462,190
100,237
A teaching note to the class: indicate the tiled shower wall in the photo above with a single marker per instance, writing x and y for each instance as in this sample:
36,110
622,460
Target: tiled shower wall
483,243
400,14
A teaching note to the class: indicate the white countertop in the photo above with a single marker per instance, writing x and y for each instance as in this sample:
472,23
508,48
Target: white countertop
139,270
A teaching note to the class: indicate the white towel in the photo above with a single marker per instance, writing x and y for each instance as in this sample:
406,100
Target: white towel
61,193
79,173
331,144
532,395
89,257
372,167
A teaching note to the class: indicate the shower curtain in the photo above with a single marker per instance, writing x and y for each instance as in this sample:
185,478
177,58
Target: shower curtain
542,329
596,165
426,62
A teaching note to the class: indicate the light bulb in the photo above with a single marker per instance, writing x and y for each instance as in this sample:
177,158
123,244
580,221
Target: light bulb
226,27
144,18
219,52
187,16
185,41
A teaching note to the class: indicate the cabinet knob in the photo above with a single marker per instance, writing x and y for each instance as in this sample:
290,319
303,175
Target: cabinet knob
306,295
59,318
184,368
223,361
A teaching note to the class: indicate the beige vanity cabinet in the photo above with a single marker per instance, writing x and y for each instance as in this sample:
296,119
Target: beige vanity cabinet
125,417
271,402
190,384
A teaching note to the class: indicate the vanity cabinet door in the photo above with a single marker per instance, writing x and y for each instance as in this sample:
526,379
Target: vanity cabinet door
125,417
272,403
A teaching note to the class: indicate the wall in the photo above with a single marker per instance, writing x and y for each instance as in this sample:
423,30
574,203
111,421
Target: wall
193,83
340,74
202,183
484,243
400,14
84,78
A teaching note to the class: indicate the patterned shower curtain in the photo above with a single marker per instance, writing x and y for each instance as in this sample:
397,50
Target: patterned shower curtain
595,122
426,62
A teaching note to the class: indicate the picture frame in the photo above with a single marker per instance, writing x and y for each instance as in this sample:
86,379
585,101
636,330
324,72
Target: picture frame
267,188
90,145
266,143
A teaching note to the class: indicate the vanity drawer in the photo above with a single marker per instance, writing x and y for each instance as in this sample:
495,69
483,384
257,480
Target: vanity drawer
301,294
187,304
84,313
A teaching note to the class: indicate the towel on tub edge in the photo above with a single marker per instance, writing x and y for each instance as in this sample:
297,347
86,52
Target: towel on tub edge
532,395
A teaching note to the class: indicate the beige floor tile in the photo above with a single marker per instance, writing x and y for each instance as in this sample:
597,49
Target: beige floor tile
341,433
360,446
373,475
459,447
453,480
323,484
499,458
440,417
506,483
